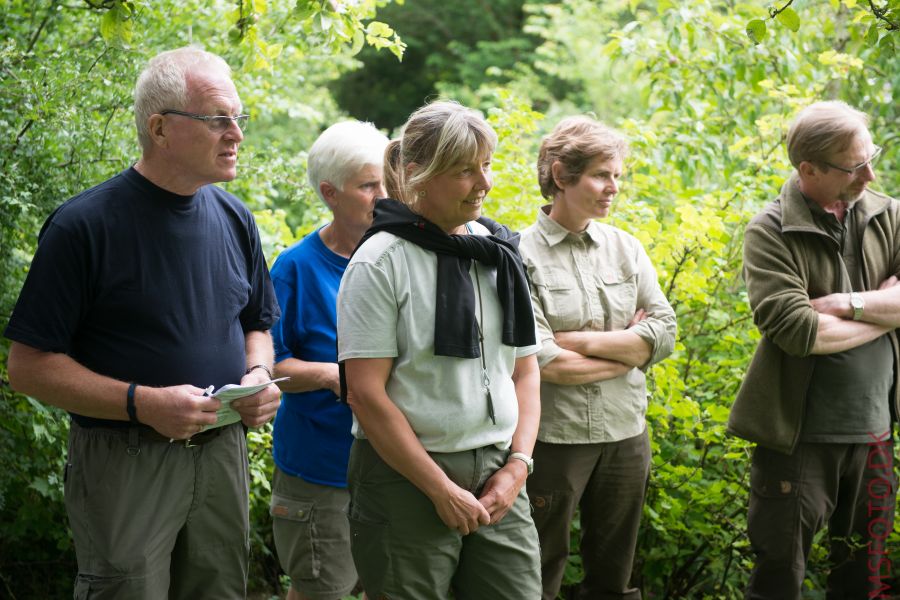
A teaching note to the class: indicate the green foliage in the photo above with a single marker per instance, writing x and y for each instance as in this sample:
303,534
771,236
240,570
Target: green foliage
453,47
705,111
66,123
704,106
883,22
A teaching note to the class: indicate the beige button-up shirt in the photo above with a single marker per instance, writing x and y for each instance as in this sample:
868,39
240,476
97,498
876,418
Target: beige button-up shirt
593,281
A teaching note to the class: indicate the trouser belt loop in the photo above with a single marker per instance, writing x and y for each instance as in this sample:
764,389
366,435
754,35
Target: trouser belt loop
134,447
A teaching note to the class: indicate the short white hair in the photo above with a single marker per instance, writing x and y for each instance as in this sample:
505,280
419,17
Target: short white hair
163,84
341,151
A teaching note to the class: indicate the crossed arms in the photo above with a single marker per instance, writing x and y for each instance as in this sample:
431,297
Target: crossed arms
798,324
591,356
837,331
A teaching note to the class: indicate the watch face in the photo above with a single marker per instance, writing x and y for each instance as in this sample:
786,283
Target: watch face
856,301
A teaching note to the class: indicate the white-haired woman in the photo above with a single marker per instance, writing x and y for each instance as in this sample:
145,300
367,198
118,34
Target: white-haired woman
311,438
436,332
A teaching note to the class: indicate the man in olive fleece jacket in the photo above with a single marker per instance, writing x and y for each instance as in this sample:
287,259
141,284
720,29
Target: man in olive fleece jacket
821,265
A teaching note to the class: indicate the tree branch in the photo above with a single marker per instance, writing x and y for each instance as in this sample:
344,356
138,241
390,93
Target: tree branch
774,12
50,12
105,130
686,254
881,13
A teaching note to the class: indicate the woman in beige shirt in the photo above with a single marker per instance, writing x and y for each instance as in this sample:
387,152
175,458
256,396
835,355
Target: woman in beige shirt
602,320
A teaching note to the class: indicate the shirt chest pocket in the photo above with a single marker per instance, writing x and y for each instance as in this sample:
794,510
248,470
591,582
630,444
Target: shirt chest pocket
562,298
617,293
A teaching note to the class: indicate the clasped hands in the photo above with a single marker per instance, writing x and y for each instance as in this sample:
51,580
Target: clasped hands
459,509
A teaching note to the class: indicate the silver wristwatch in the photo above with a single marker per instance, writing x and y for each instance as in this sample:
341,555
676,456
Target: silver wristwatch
529,462
857,304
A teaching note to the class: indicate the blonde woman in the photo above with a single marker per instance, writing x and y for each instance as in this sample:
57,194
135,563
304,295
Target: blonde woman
436,331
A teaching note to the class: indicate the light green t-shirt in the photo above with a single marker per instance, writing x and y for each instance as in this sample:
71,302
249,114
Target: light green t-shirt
385,309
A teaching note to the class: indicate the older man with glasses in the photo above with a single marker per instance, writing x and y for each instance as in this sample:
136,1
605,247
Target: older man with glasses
146,291
821,264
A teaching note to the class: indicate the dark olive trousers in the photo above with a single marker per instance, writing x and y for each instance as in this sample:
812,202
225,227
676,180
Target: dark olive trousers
404,551
154,520
608,481
849,487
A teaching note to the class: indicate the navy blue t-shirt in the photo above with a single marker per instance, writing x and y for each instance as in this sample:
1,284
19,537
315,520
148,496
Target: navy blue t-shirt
312,438
147,286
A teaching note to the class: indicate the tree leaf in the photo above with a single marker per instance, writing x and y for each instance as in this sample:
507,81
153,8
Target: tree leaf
756,30
305,9
109,25
872,34
789,18
359,40
379,29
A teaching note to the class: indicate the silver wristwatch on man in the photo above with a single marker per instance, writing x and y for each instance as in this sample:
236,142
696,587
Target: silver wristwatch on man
857,304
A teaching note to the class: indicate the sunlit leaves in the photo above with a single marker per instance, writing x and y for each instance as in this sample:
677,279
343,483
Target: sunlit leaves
381,35
789,18
756,30
117,23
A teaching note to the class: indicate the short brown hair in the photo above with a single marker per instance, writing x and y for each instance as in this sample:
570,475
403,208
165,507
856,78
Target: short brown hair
575,142
823,129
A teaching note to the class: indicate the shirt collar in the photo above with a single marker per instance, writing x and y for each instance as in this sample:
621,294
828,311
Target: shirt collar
554,233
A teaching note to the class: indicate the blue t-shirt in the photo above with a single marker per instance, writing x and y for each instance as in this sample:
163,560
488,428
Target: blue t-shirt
312,436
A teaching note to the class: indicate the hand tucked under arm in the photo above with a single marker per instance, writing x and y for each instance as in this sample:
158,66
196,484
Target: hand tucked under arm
837,335
621,346
572,368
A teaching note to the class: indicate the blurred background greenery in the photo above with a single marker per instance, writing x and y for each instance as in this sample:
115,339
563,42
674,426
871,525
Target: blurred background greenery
703,89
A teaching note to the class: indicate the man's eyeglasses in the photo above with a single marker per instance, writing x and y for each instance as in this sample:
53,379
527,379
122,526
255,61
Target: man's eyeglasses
853,170
216,123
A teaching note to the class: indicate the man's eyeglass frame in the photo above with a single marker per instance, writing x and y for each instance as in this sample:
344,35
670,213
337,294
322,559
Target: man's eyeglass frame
853,170
216,123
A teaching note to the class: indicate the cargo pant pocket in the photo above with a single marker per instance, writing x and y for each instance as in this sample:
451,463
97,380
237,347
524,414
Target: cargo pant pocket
294,530
97,587
371,555
774,517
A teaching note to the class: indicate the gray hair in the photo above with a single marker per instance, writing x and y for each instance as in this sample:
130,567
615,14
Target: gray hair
163,84
341,151
824,129
437,137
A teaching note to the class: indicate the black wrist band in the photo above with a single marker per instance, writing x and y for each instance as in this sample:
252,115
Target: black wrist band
129,404
263,367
